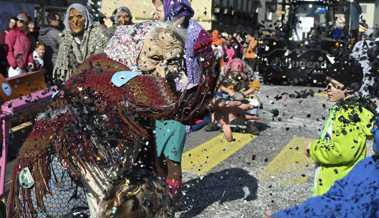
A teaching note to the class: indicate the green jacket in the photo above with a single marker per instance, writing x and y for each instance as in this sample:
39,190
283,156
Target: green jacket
341,145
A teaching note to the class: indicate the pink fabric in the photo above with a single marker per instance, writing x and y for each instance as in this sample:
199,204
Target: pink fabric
236,65
19,48
230,53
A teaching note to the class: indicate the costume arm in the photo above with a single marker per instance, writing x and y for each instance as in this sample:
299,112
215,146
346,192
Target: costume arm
317,207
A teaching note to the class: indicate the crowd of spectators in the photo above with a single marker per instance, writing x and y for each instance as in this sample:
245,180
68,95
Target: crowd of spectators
25,47
63,44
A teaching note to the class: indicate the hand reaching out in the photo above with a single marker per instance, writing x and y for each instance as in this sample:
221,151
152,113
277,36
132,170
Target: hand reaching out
268,213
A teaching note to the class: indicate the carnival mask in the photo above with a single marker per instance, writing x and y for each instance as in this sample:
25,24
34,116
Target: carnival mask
162,55
76,21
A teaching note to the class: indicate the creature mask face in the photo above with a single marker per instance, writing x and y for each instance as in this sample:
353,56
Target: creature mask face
76,21
162,55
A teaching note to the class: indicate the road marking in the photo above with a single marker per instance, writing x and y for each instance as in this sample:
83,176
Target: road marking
206,156
290,161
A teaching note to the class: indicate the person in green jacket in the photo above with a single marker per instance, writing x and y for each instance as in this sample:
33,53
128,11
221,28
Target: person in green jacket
343,138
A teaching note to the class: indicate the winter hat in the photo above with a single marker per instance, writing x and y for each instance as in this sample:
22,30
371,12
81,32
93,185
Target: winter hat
22,17
348,73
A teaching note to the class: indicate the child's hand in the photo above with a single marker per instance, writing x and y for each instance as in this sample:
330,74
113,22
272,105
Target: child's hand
268,213
30,67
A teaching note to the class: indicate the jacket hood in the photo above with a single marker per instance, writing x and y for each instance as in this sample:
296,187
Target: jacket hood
44,30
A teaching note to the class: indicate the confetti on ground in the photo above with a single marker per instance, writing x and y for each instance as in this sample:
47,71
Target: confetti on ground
206,156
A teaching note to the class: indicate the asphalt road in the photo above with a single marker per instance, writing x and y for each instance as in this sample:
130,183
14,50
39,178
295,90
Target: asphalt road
256,177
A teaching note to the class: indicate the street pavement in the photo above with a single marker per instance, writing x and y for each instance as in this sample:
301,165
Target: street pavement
255,173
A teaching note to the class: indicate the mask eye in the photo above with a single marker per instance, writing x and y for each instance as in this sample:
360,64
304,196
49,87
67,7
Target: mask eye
156,58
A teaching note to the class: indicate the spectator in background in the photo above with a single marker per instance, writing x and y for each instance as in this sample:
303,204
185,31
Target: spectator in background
237,47
121,16
38,56
80,39
216,39
3,51
19,47
338,31
33,33
218,48
250,52
355,13
11,24
50,37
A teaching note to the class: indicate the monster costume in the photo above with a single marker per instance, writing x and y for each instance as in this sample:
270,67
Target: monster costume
161,53
91,147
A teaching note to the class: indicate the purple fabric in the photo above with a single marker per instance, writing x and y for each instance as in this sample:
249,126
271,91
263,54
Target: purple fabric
177,8
192,63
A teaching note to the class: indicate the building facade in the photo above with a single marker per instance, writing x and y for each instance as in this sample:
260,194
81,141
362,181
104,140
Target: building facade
226,15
